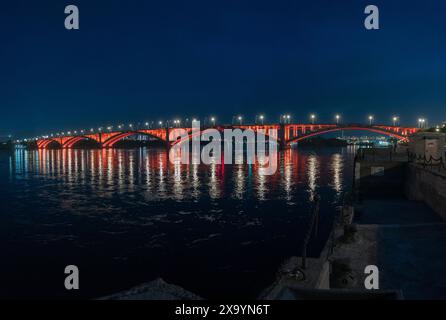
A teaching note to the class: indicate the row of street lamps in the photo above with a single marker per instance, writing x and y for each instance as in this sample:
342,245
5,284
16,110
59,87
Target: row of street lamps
259,119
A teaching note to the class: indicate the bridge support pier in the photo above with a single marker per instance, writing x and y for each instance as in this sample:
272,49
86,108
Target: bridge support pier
167,144
283,145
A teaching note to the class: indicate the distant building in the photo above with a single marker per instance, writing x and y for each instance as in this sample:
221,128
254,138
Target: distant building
5,142
5,139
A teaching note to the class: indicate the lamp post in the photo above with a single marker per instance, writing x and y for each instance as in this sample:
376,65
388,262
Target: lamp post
240,119
337,117
421,123
213,121
313,117
395,119
370,120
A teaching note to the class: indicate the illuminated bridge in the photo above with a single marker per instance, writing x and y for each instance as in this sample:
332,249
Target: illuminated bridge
287,134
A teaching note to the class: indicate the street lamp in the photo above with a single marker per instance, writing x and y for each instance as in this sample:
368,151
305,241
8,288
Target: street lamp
337,118
213,121
421,122
370,120
261,117
395,119
240,118
313,117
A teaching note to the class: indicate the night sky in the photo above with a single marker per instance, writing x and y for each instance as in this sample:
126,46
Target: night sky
150,60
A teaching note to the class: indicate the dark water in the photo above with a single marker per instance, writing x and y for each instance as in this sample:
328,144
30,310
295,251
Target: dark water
129,216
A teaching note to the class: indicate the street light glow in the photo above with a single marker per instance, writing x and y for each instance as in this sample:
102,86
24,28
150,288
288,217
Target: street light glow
312,116
337,118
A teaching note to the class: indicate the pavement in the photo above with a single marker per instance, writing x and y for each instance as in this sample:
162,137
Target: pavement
406,240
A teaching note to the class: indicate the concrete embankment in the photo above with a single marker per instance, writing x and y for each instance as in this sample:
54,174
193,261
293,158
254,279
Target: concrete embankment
428,185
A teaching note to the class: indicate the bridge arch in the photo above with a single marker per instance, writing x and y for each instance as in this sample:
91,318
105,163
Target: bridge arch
74,140
157,134
43,144
355,128
264,131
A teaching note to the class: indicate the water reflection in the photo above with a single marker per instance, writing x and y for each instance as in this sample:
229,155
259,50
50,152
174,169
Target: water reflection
149,217
150,170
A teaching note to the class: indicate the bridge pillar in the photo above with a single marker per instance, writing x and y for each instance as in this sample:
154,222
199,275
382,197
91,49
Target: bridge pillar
282,135
167,143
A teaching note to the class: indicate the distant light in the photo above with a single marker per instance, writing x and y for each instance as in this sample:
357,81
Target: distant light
147,123
288,116
261,117
212,119
160,123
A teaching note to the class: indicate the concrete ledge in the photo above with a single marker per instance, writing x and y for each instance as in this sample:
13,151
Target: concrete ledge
425,184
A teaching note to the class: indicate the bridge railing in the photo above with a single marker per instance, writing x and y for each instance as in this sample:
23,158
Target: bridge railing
379,154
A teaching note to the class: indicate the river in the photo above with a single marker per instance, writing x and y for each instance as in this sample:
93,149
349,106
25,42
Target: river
130,216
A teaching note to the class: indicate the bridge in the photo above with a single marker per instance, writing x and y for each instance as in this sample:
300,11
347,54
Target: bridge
288,134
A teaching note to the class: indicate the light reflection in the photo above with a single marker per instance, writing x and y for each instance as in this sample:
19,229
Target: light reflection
337,166
150,172
312,175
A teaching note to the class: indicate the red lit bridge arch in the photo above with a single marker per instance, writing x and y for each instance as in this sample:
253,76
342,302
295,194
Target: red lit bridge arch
306,131
287,133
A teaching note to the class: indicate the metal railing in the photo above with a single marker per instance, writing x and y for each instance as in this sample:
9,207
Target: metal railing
426,162
312,226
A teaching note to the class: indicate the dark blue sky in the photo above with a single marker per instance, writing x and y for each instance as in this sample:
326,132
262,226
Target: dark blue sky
148,60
